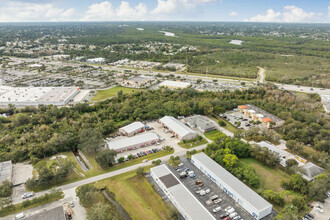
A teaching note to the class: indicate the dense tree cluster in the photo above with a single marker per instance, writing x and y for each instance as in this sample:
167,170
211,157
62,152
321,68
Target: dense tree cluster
97,206
265,156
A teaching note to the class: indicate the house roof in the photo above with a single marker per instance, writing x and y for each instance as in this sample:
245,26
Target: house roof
176,126
311,170
266,119
242,106
232,183
200,121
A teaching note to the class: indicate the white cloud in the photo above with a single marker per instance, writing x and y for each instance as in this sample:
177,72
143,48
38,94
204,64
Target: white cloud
269,16
290,13
22,11
233,14
105,11
172,6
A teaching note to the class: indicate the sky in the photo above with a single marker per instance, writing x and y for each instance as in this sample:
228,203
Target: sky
297,11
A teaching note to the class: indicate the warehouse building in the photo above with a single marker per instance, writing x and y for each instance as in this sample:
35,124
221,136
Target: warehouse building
200,122
174,84
186,203
6,170
257,114
132,129
134,142
242,194
34,96
284,156
51,214
180,130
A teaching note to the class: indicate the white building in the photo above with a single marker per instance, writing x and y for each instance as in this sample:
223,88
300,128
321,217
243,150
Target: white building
284,156
174,84
134,142
200,122
34,96
180,130
132,129
96,60
186,203
253,203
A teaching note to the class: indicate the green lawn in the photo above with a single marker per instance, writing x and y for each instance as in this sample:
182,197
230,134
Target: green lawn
104,94
211,134
97,170
136,195
270,178
191,144
228,126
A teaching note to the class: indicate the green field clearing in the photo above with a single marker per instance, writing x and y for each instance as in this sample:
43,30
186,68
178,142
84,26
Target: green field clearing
104,94
136,195
211,134
228,126
269,178
192,144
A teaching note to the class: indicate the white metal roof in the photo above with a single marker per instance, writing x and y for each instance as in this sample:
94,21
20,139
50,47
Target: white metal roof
183,196
131,141
176,126
133,127
175,84
238,187
283,154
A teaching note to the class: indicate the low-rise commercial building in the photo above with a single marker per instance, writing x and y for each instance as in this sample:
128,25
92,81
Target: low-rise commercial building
99,60
132,129
281,153
51,214
34,96
6,170
186,203
254,204
134,142
174,84
257,114
137,81
178,129
200,122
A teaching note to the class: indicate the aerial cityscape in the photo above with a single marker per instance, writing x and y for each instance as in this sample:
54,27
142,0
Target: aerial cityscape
165,109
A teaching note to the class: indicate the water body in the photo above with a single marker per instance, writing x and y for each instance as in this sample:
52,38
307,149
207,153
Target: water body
236,42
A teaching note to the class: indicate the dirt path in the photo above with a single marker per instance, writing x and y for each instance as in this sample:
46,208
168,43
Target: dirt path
261,74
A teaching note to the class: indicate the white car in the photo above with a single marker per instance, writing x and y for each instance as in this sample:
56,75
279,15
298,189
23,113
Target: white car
180,164
217,209
144,161
207,190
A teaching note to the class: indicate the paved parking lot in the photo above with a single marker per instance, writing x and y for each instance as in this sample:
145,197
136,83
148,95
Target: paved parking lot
234,116
215,190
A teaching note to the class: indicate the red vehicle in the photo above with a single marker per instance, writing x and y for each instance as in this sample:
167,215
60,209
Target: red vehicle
147,152
69,215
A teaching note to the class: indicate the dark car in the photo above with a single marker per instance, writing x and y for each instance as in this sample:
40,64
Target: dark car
223,216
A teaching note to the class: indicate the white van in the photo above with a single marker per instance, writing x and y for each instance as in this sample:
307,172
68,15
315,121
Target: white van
202,192
207,190
232,215
19,216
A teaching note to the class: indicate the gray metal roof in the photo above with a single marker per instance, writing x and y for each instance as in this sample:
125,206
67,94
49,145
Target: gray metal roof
176,126
310,171
132,141
183,196
232,182
200,121
52,214
133,127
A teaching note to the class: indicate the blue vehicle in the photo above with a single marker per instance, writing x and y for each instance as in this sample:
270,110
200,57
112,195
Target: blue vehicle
150,151
186,170
192,175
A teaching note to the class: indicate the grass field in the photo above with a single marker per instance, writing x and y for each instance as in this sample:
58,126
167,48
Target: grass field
97,170
269,178
192,144
228,126
136,195
104,94
211,134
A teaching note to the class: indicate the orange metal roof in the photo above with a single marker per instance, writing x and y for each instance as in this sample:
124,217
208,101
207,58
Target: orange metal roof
242,106
266,119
